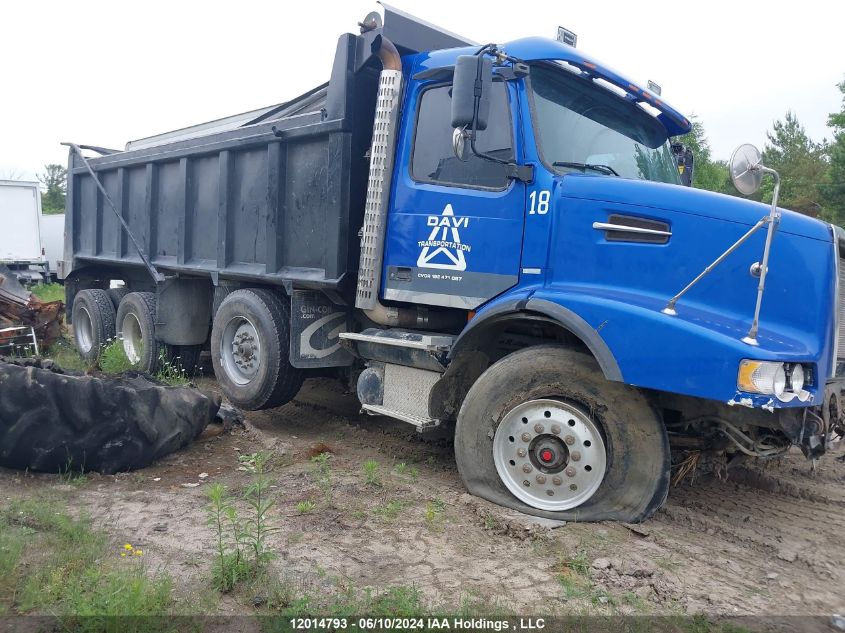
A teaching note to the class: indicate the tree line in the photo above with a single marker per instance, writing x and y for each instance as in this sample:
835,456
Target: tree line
812,173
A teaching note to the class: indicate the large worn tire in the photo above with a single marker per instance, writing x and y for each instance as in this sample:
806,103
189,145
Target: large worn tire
636,479
136,329
116,295
256,373
93,322
52,421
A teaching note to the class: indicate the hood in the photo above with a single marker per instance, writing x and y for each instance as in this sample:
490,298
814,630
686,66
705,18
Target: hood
687,200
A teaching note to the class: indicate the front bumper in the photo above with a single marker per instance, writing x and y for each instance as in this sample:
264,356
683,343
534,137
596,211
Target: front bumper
820,429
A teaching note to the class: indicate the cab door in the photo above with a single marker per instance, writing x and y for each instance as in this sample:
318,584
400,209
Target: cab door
454,233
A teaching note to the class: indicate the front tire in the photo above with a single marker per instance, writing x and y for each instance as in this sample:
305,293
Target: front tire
250,347
542,431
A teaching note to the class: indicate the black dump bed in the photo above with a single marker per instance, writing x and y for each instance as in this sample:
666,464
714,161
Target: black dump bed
275,195
279,197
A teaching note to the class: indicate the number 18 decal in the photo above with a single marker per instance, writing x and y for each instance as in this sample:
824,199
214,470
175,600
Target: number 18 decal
539,202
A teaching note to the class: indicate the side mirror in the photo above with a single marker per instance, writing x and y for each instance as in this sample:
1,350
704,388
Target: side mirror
464,91
746,169
686,163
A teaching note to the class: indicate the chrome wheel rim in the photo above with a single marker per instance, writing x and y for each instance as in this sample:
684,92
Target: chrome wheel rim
240,350
549,454
133,340
84,330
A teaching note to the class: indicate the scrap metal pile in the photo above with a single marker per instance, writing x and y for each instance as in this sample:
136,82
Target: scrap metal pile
26,321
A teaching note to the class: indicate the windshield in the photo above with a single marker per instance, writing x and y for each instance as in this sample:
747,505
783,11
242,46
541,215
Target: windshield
581,127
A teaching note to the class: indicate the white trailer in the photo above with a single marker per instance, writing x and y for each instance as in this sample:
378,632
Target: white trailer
20,231
53,240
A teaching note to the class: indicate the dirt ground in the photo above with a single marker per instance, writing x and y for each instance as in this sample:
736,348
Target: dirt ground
767,541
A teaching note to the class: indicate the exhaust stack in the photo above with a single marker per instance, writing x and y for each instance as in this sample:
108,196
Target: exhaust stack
382,153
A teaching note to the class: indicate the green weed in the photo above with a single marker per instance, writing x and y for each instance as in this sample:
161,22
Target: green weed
371,473
304,507
49,292
434,513
113,359
321,472
389,511
403,469
171,372
64,354
241,550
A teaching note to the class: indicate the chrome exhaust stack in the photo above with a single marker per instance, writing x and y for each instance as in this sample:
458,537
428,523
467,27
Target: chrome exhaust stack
382,153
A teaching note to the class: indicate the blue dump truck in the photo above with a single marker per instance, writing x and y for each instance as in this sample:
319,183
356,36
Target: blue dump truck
487,240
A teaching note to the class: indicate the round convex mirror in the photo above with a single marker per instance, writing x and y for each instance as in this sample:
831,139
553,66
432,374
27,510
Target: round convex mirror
745,165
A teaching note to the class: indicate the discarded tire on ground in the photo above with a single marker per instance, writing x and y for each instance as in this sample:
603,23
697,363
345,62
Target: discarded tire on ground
53,421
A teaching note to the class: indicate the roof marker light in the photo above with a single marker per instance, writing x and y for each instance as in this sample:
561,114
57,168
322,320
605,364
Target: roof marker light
566,36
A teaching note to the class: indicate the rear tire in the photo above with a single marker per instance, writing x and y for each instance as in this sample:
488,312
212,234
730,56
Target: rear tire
525,418
136,330
250,347
116,294
93,322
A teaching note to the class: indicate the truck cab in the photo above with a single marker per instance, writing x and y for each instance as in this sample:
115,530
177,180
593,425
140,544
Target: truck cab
489,241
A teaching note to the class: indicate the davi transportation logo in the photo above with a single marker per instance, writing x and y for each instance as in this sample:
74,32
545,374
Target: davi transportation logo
439,251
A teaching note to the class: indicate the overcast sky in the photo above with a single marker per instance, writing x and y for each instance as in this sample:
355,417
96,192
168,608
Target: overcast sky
103,73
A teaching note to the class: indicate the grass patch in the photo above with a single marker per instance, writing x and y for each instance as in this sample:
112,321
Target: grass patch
49,292
390,511
408,471
113,359
64,354
304,507
574,576
56,564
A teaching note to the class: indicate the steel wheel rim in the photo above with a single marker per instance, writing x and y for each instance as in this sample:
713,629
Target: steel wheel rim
133,340
240,350
84,330
531,429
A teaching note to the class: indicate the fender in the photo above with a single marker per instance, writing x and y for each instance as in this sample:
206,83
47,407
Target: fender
566,318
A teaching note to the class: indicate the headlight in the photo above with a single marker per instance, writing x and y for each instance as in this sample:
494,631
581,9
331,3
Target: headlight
796,379
757,376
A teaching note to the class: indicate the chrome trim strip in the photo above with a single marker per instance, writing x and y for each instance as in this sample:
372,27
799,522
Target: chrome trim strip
622,228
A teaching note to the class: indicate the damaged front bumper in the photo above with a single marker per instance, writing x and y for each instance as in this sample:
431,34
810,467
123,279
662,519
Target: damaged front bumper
821,428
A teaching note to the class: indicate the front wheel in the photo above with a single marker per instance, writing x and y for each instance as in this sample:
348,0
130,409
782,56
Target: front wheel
542,431
250,344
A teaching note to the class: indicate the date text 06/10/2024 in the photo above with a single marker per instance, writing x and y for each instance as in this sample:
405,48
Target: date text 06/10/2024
421,623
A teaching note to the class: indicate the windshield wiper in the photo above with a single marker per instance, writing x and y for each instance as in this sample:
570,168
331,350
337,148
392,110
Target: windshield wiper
602,169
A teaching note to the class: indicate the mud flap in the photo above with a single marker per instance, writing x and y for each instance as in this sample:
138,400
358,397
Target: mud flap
316,323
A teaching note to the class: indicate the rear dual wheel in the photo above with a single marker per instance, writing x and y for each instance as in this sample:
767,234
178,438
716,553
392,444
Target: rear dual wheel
136,331
542,431
93,322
